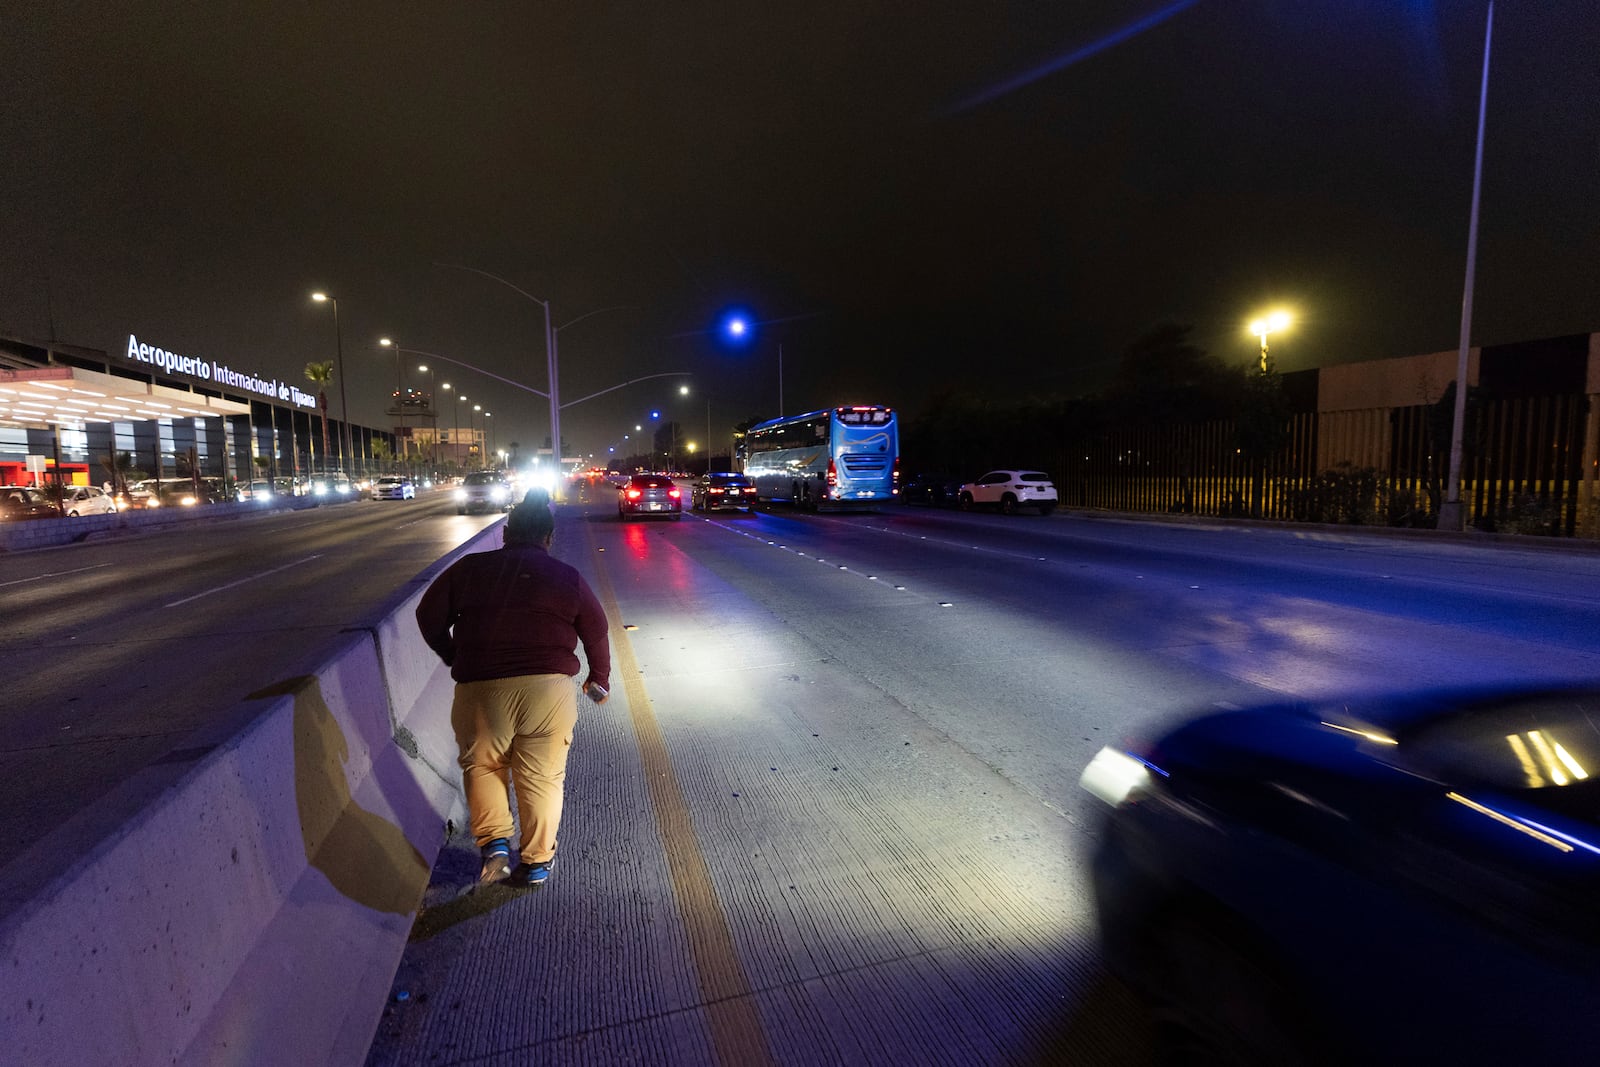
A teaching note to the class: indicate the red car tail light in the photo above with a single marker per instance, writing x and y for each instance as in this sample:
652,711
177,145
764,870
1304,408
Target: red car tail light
674,493
634,494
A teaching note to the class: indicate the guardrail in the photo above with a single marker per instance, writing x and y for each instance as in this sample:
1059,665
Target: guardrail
256,911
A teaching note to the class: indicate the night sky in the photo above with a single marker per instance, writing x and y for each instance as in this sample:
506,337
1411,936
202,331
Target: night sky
991,198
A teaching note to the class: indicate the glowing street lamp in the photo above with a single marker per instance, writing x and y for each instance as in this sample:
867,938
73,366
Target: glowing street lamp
1276,322
344,406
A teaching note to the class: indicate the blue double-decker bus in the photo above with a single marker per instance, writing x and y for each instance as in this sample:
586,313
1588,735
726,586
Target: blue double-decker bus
834,458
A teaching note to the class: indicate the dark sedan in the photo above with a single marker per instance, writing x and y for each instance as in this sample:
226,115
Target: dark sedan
715,491
649,494
937,490
1389,880
19,502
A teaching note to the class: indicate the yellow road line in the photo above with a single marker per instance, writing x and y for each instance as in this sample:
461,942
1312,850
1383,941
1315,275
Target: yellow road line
736,1031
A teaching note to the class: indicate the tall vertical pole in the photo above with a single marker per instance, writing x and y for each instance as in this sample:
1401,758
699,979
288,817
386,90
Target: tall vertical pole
780,379
551,359
400,403
344,404
1451,516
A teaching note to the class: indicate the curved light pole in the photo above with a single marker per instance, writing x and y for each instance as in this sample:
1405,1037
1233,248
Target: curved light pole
476,442
344,406
552,365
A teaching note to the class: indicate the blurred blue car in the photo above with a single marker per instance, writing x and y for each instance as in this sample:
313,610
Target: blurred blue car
1410,879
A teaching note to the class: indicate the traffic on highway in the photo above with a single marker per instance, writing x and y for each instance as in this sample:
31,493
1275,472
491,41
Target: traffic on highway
878,722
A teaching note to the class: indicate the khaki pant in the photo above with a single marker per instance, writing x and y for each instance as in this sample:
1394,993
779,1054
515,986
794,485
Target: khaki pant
523,726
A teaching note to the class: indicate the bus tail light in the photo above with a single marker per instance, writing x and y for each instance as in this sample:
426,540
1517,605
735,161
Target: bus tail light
894,472
833,474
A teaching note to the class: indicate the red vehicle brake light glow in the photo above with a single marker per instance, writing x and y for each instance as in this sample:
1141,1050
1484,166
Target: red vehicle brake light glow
674,493
634,494
833,474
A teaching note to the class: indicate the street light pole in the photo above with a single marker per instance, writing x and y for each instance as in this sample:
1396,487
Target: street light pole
399,395
1273,323
1451,516
433,415
344,405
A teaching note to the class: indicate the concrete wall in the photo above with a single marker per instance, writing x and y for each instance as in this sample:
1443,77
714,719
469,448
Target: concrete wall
1391,383
43,533
257,910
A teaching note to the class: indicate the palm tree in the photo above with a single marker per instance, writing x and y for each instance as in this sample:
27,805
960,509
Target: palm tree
118,465
320,374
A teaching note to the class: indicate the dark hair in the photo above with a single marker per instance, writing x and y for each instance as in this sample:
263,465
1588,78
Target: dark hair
531,522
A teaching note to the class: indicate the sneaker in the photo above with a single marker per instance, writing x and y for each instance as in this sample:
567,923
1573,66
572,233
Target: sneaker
496,861
530,875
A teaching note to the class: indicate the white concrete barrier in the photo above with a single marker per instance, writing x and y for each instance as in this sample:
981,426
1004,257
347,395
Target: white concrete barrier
257,910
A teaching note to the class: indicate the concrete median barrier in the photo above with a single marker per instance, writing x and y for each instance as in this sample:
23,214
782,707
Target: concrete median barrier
256,911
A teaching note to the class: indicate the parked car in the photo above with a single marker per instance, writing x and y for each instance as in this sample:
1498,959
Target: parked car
715,491
1403,879
335,484
393,487
483,491
184,493
936,490
1009,490
86,500
649,494
20,502
257,491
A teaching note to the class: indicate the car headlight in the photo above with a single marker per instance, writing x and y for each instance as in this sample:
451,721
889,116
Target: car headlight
498,493
461,495
1114,775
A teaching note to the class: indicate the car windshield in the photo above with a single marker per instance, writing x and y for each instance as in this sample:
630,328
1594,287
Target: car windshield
1033,476
650,481
1549,743
726,479
482,478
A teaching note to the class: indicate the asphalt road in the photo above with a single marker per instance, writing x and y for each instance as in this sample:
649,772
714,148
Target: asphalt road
126,652
830,814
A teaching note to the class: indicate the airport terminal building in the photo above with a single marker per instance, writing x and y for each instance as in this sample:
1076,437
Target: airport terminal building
71,410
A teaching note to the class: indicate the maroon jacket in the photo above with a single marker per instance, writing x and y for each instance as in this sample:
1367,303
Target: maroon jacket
514,611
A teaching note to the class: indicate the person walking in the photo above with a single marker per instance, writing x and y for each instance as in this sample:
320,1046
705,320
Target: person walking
507,623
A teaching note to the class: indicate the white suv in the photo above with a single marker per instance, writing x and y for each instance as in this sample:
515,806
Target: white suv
1010,490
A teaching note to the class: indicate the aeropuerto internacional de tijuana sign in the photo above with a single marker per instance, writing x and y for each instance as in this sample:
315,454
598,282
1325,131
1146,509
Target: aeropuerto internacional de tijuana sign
219,374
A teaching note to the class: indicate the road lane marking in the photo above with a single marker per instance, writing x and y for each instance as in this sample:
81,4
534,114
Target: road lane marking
736,1031
242,581
53,574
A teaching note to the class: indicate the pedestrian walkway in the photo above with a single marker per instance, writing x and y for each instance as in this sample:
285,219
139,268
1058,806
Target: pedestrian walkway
769,866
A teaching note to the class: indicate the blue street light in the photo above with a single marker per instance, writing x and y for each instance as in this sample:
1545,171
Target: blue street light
737,327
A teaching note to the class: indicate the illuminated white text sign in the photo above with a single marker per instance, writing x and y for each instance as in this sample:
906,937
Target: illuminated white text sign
219,374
